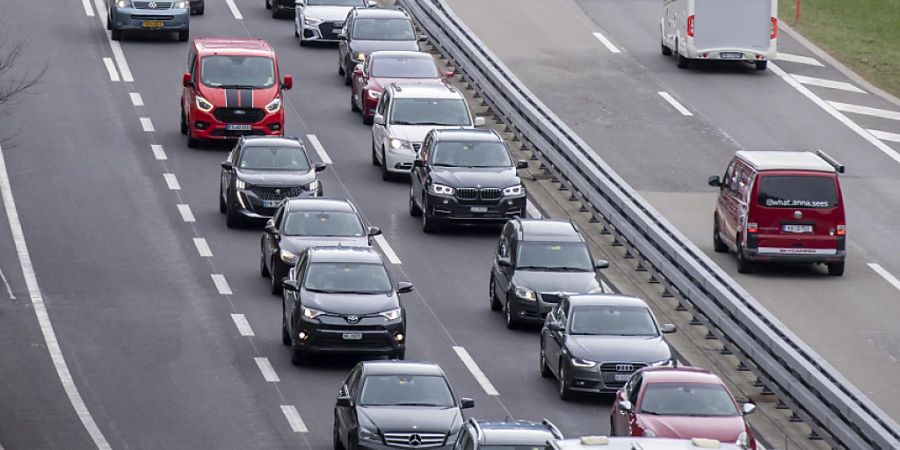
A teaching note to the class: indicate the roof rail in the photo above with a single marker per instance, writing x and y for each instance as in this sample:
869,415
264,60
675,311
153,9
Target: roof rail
837,166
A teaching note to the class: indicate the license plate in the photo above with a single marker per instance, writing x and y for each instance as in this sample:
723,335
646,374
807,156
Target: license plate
238,127
152,24
352,336
479,209
731,55
797,228
620,377
270,203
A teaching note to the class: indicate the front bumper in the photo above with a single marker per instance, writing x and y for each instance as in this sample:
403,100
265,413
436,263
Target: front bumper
399,160
445,207
251,205
594,380
321,32
328,334
204,125
135,19
380,446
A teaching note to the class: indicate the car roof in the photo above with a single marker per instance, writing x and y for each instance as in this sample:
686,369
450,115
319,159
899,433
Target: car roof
271,140
424,90
344,254
549,230
400,54
782,160
679,375
233,46
401,368
605,300
466,134
319,204
642,443
519,432
380,12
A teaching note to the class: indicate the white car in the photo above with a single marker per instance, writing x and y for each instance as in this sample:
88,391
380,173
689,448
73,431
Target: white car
323,20
406,113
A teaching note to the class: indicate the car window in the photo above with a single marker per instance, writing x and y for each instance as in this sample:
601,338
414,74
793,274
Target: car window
425,111
406,390
353,381
635,389
237,71
270,157
471,154
404,67
276,218
344,277
554,256
301,266
778,191
735,176
383,29
688,399
728,172
744,185
382,105
597,320
323,223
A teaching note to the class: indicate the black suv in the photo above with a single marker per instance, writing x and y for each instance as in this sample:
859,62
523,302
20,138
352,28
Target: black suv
515,435
342,300
536,261
301,223
465,175
390,404
260,172
369,30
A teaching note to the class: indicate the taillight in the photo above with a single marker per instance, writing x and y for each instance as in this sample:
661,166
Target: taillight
690,26
774,32
841,230
752,228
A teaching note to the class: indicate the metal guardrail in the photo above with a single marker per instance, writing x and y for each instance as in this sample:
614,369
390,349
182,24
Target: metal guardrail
813,389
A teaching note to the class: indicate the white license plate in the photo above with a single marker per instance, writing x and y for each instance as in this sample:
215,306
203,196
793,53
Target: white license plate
479,209
620,377
352,336
731,55
238,127
797,228
271,203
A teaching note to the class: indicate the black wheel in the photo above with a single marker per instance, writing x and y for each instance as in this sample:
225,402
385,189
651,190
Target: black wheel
761,65
275,277
718,245
428,222
232,217
744,264
348,80
200,10
353,106
496,304
115,34
564,392
545,369
285,336
223,208
367,120
298,358
400,354
275,13
511,321
336,438
268,5
612,427
340,69
108,21
666,51
191,141
184,35
374,155
385,175
263,269
184,125
414,209
836,269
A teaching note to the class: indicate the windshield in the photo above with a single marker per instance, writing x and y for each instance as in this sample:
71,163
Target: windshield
258,157
406,390
383,30
416,111
470,154
688,399
336,2
402,67
777,191
323,223
569,256
348,278
237,71
612,321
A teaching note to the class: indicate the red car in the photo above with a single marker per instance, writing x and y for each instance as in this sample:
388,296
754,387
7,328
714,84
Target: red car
385,67
232,88
682,403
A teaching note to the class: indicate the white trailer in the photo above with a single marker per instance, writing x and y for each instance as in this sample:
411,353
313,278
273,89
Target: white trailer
740,30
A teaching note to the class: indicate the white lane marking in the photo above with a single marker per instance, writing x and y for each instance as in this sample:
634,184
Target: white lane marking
606,287
243,326
885,136
387,250
8,288
136,98
668,97
234,9
293,418
158,152
609,45
101,6
480,377
831,84
111,69
320,150
865,110
203,247
147,124
172,181
88,11
221,284
120,61
43,317
891,153
268,372
186,214
885,274
799,59
532,211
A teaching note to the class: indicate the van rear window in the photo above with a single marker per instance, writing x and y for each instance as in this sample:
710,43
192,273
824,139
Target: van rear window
797,192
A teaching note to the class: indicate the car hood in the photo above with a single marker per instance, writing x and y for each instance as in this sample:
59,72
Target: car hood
495,177
238,98
390,419
374,46
723,429
618,348
328,13
275,177
296,244
356,304
416,133
568,282
378,83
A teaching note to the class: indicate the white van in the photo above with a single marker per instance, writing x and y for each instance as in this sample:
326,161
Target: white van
741,30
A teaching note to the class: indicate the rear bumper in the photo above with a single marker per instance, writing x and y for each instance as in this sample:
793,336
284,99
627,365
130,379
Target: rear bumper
747,54
795,255
134,19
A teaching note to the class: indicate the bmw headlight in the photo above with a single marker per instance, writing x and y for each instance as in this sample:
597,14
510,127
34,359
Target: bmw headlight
665,362
400,143
392,314
583,363
525,293
374,94
649,433
514,190
313,186
311,21
274,105
366,434
123,3
182,4
203,104
239,183
287,256
309,313
440,189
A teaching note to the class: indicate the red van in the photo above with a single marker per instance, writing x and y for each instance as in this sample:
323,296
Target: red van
781,207
232,88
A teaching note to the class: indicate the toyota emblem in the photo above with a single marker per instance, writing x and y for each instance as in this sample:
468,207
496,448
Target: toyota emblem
798,215
624,368
352,319
152,5
415,440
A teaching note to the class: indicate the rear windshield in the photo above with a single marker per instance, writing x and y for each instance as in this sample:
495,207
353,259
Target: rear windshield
403,67
777,191
383,30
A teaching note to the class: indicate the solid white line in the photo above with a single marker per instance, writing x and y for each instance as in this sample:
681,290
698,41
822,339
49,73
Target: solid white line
885,136
88,11
136,99
243,326
234,9
609,45
111,69
885,274
387,250
891,153
268,372
668,97
43,317
293,418
203,247
172,181
831,84
320,150
186,214
120,61
799,59
532,211
101,6
8,289
147,124
221,284
856,109
158,152
480,377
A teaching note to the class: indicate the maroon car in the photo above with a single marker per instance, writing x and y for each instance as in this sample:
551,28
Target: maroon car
385,67
682,403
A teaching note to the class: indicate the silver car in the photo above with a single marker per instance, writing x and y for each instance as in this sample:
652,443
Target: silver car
149,15
322,20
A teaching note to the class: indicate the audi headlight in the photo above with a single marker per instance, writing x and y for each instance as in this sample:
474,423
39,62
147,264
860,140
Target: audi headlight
525,293
392,314
313,186
514,190
183,4
274,105
400,143
203,104
649,433
440,189
374,94
583,363
366,434
287,256
665,362
360,56
239,183
309,313
311,21
123,3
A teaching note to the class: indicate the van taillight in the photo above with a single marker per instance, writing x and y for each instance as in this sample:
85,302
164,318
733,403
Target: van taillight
774,33
690,26
841,230
752,228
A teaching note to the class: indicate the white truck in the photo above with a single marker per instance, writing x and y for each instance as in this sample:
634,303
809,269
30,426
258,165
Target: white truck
740,30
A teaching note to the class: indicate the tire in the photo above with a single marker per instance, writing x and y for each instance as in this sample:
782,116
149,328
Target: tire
232,217
399,355
285,336
545,369
183,36
385,175
666,51
414,209
108,21
761,65
744,265
496,304
275,278
348,81
184,125
340,69
191,141
223,208
263,269
268,5
718,245
275,13
335,437
565,393
200,10
115,34
367,120
298,358
836,269
511,322
353,106
428,224
374,156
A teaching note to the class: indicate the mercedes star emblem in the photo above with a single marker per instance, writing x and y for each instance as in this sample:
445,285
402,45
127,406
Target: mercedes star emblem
415,440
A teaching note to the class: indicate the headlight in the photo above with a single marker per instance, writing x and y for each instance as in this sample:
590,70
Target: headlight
374,94
583,363
274,105
514,190
203,104
527,294
400,143
183,4
665,362
649,434
311,21
313,186
393,314
360,56
440,189
239,183
368,435
123,3
287,256
310,313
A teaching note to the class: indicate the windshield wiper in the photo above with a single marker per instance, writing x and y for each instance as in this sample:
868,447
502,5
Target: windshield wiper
534,268
568,269
416,404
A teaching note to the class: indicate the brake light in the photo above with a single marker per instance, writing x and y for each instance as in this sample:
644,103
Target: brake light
841,230
690,26
753,228
774,33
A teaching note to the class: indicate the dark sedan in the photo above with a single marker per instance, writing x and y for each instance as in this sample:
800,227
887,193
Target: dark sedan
369,30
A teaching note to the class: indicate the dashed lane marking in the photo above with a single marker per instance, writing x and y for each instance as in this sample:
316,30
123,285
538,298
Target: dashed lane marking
799,59
158,152
172,181
147,124
9,290
203,247
88,11
885,274
293,418
387,250
320,150
111,69
186,214
668,97
476,372
865,110
136,98
234,9
243,326
831,84
268,372
119,55
606,42
221,284
885,136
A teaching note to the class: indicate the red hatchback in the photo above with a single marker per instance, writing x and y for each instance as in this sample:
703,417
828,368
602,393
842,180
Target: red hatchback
682,403
385,67
232,88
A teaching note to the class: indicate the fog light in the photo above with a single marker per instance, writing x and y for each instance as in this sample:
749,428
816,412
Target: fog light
446,201
201,125
274,126
509,202
399,337
302,335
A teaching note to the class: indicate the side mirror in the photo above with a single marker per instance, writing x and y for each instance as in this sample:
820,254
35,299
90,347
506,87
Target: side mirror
422,38
288,83
601,264
270,227
479,121
404,287
320,167
373,231
505,262
358,70
554,326
714,181
625,405
466,403
345,401
419,163
290,285
748,408
521,164
378,119
186,79
228,165
668,328
449,74
372,4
